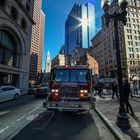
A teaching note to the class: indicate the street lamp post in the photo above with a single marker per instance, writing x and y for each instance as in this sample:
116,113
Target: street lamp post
122,118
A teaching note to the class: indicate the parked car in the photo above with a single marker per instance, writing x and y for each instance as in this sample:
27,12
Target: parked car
31,91
8,93
42,91
33,88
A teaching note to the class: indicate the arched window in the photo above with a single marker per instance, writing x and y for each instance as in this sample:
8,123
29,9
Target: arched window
14,13
3,3
8,49
23,24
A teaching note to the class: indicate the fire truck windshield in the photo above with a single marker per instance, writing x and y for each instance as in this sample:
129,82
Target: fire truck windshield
72,75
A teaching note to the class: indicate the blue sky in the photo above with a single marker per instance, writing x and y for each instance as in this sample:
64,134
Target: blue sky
56,12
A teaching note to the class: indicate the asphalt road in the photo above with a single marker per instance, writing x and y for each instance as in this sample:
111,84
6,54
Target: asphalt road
25,119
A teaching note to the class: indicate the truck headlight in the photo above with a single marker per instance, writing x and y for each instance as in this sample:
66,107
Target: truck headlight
83,91
54,90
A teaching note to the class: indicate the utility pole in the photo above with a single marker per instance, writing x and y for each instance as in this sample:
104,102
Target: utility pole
122,118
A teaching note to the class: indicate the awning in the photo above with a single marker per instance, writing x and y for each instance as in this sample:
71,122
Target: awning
135,78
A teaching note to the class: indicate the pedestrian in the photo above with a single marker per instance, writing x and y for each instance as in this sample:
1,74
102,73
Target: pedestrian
115,90
135,87
131,90
126,90
99,88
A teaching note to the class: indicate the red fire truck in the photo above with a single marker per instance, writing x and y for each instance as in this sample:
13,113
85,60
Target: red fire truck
70,89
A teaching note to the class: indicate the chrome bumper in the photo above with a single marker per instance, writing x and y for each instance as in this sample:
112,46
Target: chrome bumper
70,105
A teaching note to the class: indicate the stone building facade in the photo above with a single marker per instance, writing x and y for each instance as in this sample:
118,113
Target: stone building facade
15,41
129,42
59,60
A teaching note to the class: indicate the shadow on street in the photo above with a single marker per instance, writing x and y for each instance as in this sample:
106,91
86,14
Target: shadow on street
60,126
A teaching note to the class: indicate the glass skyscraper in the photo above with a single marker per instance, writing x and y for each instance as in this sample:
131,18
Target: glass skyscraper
79,27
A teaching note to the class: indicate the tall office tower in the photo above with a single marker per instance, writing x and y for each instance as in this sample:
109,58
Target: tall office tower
79,28
41,47
48,63
16,19
37,41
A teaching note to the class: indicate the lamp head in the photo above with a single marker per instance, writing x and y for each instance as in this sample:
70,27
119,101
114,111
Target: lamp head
123,4
106,7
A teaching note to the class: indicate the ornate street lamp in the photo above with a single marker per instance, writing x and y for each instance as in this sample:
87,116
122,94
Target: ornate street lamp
122,118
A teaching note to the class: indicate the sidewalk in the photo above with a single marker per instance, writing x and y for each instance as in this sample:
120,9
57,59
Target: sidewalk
107,109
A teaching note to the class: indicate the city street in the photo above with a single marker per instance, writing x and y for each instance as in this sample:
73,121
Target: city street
78,54
26,119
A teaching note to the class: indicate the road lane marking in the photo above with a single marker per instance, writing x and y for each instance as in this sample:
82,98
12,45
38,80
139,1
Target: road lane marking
4,112
33,110
31,117
21,118
49,120
52,115
2,130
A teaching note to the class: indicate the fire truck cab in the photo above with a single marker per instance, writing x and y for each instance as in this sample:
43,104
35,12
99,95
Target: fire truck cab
70,89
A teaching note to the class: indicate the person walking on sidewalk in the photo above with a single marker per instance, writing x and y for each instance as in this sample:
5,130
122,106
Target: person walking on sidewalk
99,88
135,87
131,90
115,90
126,90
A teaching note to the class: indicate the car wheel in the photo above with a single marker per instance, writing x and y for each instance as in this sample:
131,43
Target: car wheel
16,96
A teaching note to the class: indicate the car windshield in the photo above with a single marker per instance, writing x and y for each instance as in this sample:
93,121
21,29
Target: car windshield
72,75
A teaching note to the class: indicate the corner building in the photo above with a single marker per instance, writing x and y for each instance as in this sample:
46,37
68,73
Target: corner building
129,41
15,42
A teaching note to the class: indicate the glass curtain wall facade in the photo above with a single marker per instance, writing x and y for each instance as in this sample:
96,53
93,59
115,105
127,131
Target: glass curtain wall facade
79,27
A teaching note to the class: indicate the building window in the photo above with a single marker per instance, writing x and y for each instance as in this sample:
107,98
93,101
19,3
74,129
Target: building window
14,13
132,55
135,31
136,43
135,37
3,3
8,50
130,43
23,24
134,26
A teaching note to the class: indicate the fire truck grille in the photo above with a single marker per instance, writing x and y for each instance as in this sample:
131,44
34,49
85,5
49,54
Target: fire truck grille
69,91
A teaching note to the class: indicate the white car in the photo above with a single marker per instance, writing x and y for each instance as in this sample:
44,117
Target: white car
8,93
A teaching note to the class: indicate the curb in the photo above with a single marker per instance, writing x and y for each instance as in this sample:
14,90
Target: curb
112,129
135,99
